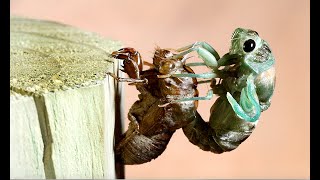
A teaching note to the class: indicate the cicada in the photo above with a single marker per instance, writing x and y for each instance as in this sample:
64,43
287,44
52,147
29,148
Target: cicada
152,120
244,81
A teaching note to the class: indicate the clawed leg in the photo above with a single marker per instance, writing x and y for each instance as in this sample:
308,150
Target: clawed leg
202,44
119,79
208,75
207,97
249,108
196,64
205,52
226,60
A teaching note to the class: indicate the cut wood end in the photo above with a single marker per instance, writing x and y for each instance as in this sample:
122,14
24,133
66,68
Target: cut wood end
63,134
47,56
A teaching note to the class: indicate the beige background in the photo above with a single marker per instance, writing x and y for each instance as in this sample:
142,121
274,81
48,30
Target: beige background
279,146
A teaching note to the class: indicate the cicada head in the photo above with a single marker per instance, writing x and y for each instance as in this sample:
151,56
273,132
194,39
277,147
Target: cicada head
132,63
254,52
160,55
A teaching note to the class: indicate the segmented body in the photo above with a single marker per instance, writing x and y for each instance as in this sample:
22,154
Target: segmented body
244,80
151,125
250,81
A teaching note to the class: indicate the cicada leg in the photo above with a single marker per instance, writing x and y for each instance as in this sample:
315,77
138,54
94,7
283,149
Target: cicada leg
119,79
215,90
201,44
249,107
205,52
207,97
208,75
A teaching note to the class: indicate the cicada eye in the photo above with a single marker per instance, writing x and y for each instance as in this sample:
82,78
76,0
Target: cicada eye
171,66
249,45
168,66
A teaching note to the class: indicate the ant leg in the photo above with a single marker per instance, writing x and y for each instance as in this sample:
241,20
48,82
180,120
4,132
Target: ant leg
249,107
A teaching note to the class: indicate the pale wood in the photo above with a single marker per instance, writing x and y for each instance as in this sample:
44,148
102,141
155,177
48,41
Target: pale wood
26,146
62,114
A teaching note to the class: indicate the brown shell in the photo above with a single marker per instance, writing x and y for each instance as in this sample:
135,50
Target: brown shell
151,126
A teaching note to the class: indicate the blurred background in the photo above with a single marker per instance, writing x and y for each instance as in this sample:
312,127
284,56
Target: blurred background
279,147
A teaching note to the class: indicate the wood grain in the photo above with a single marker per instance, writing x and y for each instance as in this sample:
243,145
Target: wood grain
62,114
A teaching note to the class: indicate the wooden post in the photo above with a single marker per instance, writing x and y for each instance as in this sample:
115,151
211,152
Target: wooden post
62,104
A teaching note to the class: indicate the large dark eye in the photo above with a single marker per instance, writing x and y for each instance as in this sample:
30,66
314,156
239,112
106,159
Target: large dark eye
249,45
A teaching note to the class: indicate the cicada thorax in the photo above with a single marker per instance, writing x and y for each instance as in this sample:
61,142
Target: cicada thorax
255,58
180,86
175,88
